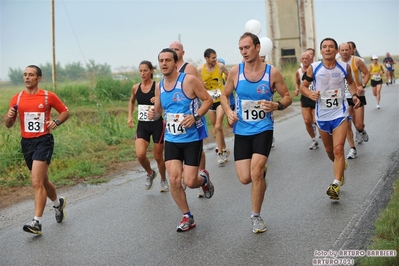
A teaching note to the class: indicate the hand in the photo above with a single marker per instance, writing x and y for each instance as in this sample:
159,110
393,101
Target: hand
356,101
296,92
315,95
360,90
188,121
130,123
12,112
269,106
232,118
51,125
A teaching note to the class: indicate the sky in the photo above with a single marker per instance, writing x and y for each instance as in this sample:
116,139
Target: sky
122,33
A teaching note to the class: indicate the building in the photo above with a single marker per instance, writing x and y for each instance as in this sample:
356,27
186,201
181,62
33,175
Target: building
291,27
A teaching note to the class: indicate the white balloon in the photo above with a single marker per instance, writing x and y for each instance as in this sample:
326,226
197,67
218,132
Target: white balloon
266,46
253,26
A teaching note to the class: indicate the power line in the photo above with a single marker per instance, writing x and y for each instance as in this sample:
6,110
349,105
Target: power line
74,33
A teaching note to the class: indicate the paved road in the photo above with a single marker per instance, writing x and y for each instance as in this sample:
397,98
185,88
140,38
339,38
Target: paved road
122,224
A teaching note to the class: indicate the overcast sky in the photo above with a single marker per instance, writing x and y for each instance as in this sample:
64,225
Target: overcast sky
123,33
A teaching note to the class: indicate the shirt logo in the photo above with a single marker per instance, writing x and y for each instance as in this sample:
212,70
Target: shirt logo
262,89
40,106
178,96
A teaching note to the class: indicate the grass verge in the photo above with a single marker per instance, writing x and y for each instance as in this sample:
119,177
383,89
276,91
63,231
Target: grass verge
386,233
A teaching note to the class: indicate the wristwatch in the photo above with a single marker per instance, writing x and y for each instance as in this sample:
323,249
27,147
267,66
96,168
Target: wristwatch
57,122
197,117
280,106
364,86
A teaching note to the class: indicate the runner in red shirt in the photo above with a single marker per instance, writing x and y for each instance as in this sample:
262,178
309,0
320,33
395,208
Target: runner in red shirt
33,106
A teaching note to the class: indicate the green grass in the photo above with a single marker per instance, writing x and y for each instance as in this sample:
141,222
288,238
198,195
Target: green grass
387,233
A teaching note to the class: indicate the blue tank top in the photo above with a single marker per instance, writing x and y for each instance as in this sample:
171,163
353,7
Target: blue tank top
252,119
176,106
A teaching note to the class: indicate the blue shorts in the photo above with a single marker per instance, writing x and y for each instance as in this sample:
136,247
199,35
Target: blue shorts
329,126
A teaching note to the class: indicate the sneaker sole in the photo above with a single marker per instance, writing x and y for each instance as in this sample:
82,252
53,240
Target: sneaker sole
258,231
332,194
185,230
26,229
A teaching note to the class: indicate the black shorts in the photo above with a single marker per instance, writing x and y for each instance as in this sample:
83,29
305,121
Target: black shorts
362,101
37,149
375,83
246,146
189,153
214,106
156,129
307,102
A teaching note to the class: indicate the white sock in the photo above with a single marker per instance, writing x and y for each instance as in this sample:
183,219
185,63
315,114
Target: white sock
255,214
337,182
56,202
39,219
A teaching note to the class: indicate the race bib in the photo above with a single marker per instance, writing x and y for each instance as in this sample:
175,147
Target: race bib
377,77
34,122
215,94
388,65
331,99
143,112
252,111
173,124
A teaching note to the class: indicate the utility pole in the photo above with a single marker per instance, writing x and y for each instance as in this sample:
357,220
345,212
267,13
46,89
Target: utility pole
53,45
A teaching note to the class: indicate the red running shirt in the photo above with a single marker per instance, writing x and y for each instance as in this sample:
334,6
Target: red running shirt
34,111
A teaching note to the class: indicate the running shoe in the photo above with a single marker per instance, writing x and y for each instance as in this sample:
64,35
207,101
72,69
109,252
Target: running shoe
313,145
378,107
343,174
226,154
333,191
352,154
59,211
258,225
358,138
265,171
208,188
220,159
149,181
186,224
164,186
364,135
273,143
33,227
200,193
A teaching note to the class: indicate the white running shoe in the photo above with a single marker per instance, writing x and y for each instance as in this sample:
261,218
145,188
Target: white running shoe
220,159
352,154
358,138
313,145
364,135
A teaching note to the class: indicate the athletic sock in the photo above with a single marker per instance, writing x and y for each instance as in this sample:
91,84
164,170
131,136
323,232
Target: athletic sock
189,214
56,202
205,180
337,182
255,214
39,219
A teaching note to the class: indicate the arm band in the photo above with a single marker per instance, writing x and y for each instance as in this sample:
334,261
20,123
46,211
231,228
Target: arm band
305,77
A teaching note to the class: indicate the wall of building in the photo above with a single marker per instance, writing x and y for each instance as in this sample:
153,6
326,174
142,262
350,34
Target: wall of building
291,28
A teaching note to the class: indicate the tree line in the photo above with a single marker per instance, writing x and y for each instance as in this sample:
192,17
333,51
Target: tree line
71,72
